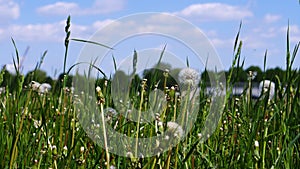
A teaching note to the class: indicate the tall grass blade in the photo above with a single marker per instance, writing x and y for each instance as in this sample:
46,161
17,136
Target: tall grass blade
187,62
91,42
67,40
134,62
161,56
16,65
115,63
237,37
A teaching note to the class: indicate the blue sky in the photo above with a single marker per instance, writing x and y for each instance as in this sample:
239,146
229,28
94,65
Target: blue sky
39,25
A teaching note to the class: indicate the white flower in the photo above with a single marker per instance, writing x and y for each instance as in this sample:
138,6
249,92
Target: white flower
37,123
189,77
65,148
2,90
81,149
98,89
160,123
176,128
256,143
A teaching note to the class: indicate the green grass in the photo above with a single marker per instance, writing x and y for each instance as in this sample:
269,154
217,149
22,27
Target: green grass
43,131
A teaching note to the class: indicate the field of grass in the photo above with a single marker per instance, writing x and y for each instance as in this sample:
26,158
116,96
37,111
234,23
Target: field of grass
43,130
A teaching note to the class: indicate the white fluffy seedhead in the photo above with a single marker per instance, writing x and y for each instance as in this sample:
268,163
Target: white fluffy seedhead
41,88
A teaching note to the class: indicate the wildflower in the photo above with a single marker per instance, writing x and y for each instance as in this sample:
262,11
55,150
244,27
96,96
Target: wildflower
2,90
98,89
189,77
251,75
37,123
256,143
81,149
160,123
65,148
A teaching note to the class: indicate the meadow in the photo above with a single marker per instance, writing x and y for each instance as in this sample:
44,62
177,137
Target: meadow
42,130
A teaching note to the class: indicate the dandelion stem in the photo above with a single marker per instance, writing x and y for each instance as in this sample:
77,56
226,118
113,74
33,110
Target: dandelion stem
105,136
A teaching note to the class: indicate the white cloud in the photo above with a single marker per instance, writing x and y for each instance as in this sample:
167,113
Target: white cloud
50,32
269,32
66,8
215,12
221,43
269,18
59,8
9,10
11,68
100,24
107,6
37,32
294,29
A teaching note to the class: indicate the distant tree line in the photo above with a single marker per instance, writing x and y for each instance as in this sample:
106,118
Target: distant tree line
155,77
240,75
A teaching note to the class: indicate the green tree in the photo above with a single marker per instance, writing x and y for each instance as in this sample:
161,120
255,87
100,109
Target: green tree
272,73
35,75
238,74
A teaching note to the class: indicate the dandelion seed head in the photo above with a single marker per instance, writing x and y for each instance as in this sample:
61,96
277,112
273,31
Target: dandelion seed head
189,77
129,154
173,126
